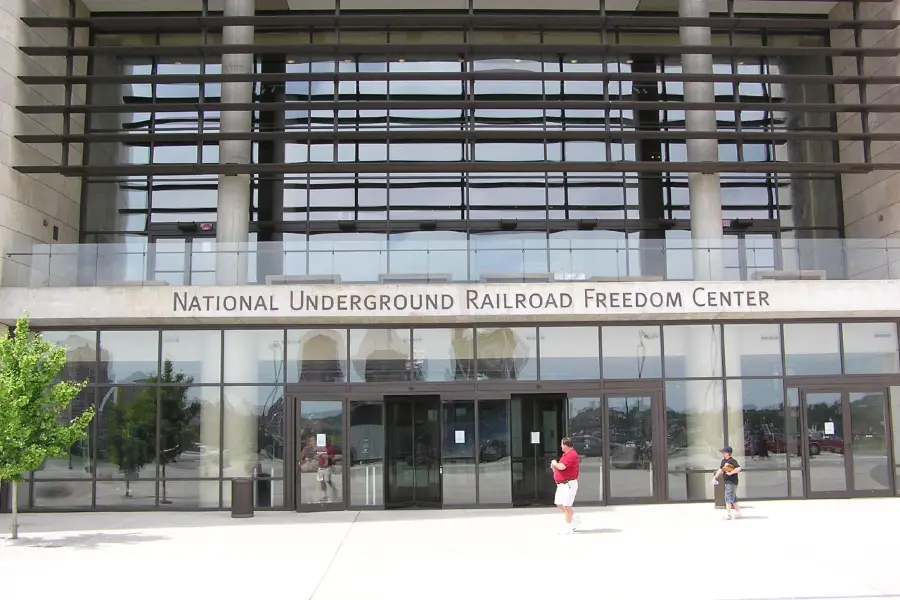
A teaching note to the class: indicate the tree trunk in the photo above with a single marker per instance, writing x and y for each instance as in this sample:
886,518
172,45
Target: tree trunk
15,509
164,500
127,488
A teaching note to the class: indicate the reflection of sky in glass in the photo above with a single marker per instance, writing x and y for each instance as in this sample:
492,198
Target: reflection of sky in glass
415,196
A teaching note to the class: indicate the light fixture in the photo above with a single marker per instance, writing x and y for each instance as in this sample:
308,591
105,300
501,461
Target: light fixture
401,60
573,61
629,62
177,62
291,61
348,60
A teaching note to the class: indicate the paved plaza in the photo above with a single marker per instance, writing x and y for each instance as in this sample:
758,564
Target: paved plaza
794,549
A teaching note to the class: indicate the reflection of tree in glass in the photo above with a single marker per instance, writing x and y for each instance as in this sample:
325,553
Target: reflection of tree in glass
132,429
179,423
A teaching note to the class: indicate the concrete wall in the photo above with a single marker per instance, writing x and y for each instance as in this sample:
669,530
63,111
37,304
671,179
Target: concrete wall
871,200
28,201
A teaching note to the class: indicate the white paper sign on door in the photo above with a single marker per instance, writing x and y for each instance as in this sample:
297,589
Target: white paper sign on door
460,437
829,428
320,440
535,437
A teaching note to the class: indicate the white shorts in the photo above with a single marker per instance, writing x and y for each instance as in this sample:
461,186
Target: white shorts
565,493
324,475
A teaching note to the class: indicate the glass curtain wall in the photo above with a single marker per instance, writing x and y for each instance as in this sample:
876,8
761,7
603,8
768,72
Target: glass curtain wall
180,412
455,221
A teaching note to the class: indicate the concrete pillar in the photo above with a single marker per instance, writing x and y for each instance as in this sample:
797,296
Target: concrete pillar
705,189
233,208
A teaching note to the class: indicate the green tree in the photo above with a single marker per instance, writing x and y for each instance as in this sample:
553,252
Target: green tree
131,423
33,408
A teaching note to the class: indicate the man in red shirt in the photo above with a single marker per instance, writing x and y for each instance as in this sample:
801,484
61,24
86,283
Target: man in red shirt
565,474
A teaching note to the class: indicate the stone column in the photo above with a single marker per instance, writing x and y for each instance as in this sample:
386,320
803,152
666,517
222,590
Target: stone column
705,190
233,209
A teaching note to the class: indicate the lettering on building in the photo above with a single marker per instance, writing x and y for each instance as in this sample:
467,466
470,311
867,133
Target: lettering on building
475,300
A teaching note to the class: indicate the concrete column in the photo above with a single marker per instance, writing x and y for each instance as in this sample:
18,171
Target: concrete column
233,209
705,189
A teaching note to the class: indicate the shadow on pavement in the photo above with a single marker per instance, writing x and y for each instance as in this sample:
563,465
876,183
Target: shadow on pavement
597,530
84,541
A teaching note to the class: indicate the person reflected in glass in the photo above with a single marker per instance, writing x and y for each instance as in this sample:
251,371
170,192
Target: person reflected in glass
728,470
320,459
565,475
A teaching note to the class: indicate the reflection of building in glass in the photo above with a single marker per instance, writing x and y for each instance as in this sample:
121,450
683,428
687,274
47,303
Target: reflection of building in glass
322,354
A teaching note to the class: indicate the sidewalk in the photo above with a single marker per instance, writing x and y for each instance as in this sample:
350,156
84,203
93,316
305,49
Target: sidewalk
800,549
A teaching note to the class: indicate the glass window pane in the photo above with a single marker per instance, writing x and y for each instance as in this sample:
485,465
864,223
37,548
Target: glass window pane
632,352
128,356
811,349
756,422
366,454
869,441
126,443
570,353
254,356
254,431
695,428
458,457
443,355
197,355
586,430
321,436
81,353
125,493
66,495
77,463
756,431
494,474
693,350
753,350
189,436
378,355
316,355
870,348
507,353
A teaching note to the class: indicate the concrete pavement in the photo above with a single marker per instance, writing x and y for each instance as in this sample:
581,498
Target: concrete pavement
793,549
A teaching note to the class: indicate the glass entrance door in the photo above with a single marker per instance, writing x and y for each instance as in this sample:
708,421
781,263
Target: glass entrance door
636,447
845,445
413,452
538,423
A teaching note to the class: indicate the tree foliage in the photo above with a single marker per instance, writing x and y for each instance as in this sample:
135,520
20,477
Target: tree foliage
33,409
132,430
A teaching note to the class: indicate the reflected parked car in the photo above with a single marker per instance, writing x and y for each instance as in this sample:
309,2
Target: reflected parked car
588,445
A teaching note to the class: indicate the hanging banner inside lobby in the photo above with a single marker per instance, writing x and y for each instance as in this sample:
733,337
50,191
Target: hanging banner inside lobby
472,302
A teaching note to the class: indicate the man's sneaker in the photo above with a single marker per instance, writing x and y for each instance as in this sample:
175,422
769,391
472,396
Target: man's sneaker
576,523
728,517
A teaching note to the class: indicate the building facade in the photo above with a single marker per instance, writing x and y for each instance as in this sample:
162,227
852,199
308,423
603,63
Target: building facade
385,254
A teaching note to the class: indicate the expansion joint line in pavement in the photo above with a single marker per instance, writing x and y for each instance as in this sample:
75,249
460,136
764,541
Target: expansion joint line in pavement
334,556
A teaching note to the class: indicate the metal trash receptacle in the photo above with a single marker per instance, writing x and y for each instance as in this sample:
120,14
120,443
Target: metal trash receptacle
720,495
242,497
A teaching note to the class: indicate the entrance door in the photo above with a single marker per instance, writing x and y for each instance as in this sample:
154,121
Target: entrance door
845,442
636,447
413,452
538,423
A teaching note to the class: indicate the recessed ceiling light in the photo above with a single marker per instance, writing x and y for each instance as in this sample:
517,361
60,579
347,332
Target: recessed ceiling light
177,62
629,62
573,61
402,60
348,60
291,61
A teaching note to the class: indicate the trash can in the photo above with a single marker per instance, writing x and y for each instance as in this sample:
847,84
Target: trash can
696,484
720,495
242,497
263,490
